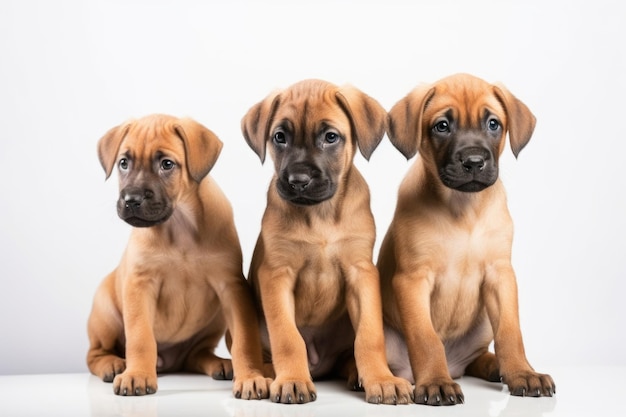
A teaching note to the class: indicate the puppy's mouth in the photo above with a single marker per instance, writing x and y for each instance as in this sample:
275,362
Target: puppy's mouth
141,209
137,221
467,187
305,198
470,172
468,182
303,201
305,193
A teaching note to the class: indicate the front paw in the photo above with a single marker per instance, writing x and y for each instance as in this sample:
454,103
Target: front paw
292,391
254,386
388,390
135,383
529,384
440,391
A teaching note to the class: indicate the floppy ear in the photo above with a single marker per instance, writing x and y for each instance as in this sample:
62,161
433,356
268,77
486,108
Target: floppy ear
255,124
521,120
405,120
109,146
367,118
202,147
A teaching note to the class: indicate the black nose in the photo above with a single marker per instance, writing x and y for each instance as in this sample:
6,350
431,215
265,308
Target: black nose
133,200
134,197
473,163
299,181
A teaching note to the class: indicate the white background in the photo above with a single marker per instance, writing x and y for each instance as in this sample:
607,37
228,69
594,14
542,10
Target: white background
70,70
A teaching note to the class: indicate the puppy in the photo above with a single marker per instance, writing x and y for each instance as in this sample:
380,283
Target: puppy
312,268
179,284
445,263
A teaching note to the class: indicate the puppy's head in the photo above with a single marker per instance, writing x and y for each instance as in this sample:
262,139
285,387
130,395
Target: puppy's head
159,158
313,129
459,126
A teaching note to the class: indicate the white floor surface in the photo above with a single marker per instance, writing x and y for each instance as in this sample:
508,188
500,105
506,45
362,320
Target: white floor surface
580,392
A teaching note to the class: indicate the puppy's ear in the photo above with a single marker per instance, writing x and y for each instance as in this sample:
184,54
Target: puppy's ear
256,123
521,120
367,118
109,146
404,123
202,147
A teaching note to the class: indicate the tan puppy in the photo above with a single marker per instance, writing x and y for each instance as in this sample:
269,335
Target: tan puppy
312,268
179,284
445,264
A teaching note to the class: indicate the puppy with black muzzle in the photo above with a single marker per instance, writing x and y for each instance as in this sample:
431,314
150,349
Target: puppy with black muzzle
180,283
448,286
312,268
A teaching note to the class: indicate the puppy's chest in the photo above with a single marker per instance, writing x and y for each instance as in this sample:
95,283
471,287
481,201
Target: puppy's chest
319,287
459,250
459,263
184,300
462,258
183,309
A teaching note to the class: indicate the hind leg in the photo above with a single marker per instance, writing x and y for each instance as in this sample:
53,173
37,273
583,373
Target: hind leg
105,330
207,362
104,364
484,367
202,359
346,369
469,355
103,358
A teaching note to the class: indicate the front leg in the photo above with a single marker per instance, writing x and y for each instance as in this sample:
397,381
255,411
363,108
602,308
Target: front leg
243,324
365,309
502,307
293,383
433,383
140,377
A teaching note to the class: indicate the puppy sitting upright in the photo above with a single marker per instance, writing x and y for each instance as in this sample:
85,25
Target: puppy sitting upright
180,283
445,264
312,268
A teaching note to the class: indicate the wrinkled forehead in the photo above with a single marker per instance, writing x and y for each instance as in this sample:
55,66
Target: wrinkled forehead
309,110
145,139
466,103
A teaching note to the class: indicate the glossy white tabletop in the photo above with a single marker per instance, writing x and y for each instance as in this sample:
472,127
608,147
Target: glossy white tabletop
580,392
